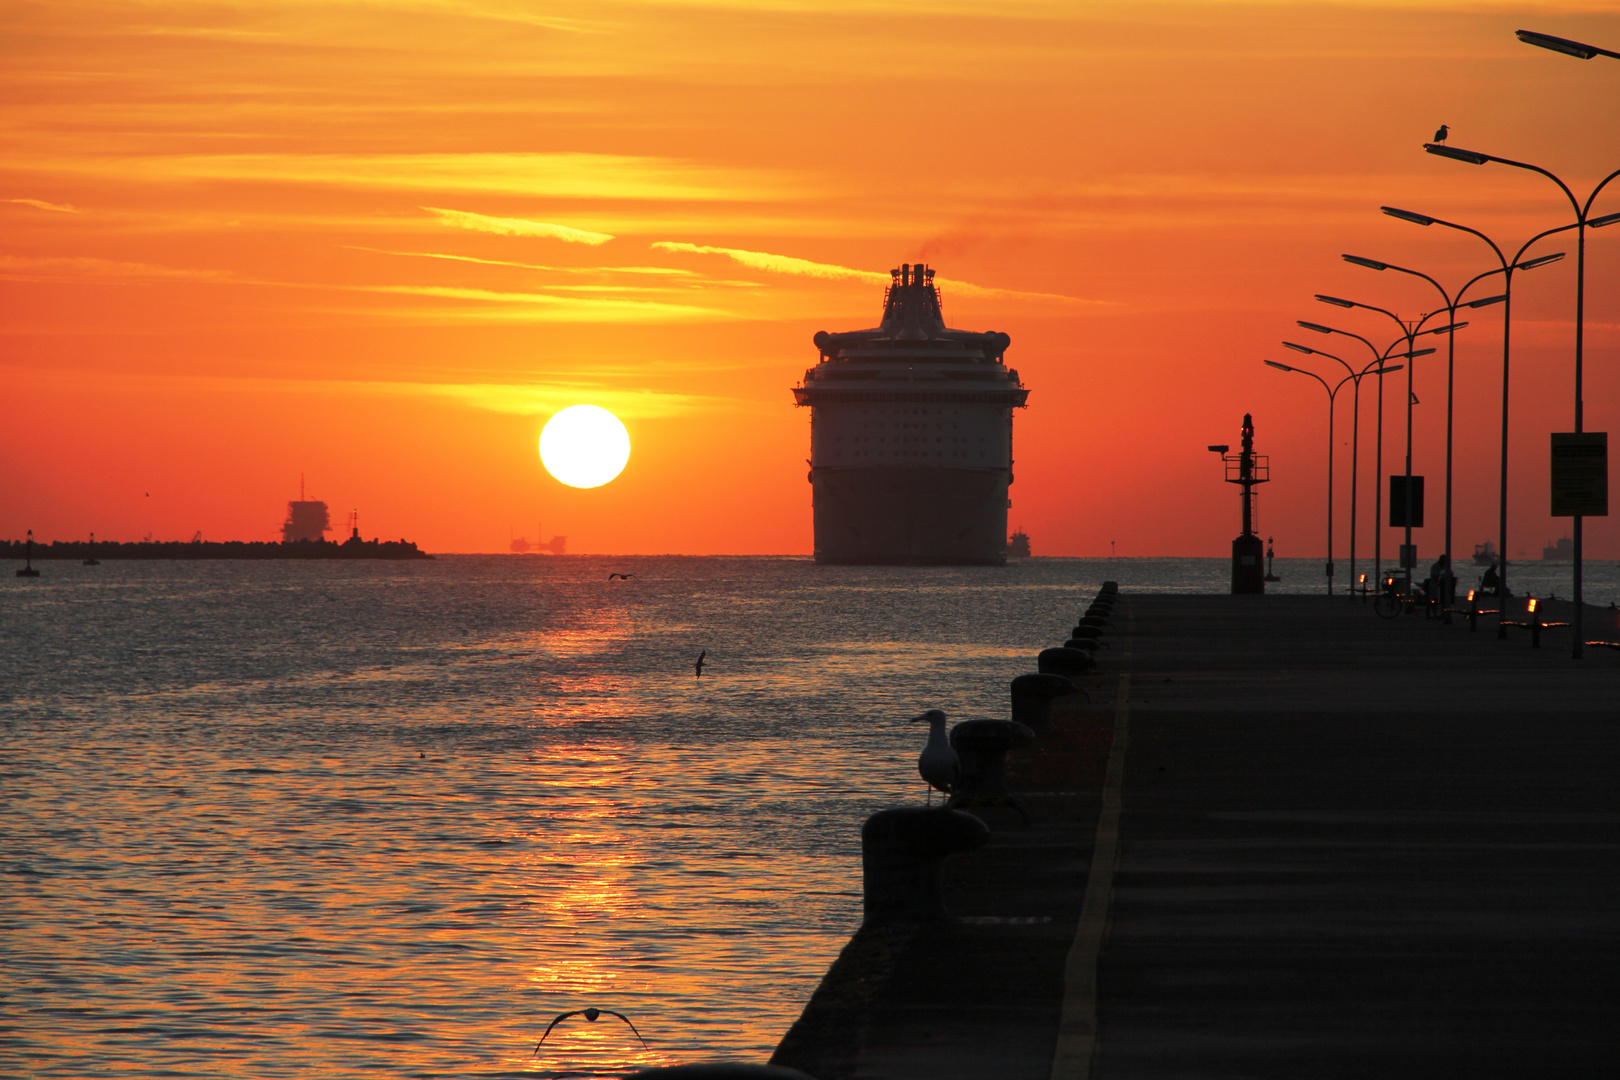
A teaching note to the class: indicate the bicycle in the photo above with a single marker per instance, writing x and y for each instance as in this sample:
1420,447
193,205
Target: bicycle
1397,598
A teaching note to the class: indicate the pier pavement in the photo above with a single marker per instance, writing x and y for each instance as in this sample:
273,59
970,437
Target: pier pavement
1284,839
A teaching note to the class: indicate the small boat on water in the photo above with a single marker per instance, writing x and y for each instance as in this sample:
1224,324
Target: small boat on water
1485,554
1560,550
92,560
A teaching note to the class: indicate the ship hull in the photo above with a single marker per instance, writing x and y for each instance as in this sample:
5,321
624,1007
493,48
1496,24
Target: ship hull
910,517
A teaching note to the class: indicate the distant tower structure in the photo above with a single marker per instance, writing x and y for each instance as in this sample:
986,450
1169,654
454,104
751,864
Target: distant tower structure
911,436
306,520
1248,551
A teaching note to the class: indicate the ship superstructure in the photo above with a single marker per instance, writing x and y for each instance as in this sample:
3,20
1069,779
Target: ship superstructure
911,436
307,519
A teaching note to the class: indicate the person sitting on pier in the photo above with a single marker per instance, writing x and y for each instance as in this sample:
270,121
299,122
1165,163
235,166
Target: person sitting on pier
1490,583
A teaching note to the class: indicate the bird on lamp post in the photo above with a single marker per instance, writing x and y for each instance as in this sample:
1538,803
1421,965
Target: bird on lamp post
1440,136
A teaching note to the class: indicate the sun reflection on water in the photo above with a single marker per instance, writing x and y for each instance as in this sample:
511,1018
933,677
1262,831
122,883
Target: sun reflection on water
319,821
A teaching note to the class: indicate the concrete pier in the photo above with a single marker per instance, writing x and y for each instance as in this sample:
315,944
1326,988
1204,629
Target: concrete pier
1287,839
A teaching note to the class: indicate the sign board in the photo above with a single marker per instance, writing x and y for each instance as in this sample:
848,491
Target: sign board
1580,474
1397,502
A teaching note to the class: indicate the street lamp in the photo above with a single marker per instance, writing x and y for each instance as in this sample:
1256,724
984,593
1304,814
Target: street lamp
1355,426
1452,304
1377,457
1332,393
1563,45
1582,221
1410,331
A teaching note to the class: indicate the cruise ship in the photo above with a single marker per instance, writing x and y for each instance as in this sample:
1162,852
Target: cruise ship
911,436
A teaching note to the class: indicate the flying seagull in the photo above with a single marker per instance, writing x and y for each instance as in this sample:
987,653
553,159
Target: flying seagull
698,667
591,1015
626,577
1440,136
937,763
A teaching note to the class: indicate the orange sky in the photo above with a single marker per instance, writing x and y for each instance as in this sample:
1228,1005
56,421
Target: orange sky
379,242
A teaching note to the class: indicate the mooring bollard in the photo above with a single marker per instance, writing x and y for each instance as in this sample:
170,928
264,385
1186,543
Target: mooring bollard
719,1070
1085,644
901,853
981,746
1061,661
1099,621
1032,697
1092,632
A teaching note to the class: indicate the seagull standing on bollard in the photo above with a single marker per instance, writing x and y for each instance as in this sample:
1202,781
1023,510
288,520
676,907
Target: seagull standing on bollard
937,763
591,1015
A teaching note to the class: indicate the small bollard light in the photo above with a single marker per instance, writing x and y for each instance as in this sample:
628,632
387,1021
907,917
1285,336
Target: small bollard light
1473,611
1535,624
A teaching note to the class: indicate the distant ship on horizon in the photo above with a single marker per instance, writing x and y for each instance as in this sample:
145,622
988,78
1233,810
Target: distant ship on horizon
1485,554
306,519
1018,545
911,436
1560,550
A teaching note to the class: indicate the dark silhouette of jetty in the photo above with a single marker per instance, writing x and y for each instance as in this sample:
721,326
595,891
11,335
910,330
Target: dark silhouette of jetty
352,548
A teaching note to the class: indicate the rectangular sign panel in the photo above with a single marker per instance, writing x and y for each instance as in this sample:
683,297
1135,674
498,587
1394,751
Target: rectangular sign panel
1580,474
1397,501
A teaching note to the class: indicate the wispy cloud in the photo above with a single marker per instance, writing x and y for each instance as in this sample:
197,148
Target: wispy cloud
787,264
41,204
463,219
595,177
556,308
660,270
536,398
778,264
542,399
74,268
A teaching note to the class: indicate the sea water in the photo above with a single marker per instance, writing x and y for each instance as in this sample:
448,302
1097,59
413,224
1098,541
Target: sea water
319,819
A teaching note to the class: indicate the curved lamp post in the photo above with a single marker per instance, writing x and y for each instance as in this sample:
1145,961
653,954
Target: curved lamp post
1379,357
1409,332
1506,267
1583,221
1355,431
1332,393
1452,304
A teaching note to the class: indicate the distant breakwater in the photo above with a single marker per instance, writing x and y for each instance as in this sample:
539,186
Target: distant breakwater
353,548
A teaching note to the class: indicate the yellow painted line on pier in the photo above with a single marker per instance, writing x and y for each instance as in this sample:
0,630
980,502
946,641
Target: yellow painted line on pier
1074,1057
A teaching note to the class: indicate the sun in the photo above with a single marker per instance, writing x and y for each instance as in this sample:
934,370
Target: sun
584,446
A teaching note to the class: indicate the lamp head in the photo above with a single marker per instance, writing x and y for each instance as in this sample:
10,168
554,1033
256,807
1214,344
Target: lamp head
1297,348
1415,353
1599,222
1371,264
1335,301
1473,157
1279,367
1318,327
1391,368
1407,215
1447,329
1531,264
1219,448
1487,302
1557,44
